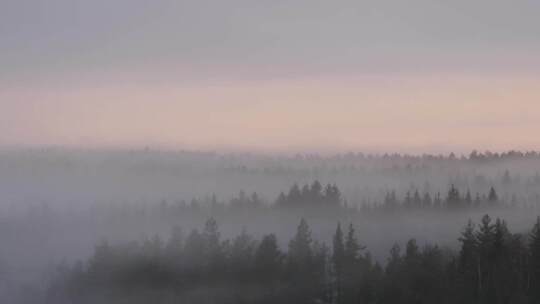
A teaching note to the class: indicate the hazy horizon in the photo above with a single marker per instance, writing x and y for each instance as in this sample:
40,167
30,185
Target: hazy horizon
324,152
284,118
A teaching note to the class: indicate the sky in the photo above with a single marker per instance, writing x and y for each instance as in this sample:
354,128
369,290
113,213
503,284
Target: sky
271,76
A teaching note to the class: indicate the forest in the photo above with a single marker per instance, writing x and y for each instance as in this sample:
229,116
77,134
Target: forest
83,226
492,265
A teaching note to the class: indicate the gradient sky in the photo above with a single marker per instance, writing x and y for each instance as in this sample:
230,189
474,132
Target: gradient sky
273,76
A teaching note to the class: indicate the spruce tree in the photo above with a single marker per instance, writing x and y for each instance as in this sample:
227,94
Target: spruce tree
300,253
485,236
468,199
242,254
534,252
468,263
302,270
453,199
338,260
352,247
268,259
493,198
212,245
417,200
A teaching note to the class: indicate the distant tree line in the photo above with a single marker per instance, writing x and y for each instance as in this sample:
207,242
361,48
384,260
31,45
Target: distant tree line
307,199
453,199
313,195
492,266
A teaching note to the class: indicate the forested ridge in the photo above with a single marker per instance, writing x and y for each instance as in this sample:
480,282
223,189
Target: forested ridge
492,265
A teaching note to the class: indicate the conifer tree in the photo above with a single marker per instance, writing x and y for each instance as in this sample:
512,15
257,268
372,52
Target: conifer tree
485,237
453,200
268,259
468,198
294,197
493,198
212,245
417,201
338,260
352,247
300,252
534,252
242,254
468,261
302,269
332,195
315,193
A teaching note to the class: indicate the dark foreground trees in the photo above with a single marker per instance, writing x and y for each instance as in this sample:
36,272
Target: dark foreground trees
492,266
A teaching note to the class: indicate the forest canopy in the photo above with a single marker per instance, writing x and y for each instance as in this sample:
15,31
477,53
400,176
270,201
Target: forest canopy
492,265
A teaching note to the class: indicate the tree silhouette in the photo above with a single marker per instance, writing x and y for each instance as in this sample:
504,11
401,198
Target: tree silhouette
534,248
268,260
453,199
338,259
492,266
493,198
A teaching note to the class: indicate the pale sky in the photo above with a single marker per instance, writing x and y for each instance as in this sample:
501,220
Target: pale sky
272,76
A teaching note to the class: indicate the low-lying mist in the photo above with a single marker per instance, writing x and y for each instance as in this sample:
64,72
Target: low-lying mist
58,205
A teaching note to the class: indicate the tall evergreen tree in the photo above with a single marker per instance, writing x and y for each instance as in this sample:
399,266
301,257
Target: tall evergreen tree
353,268
417,200
338,260
493,198
302,270
453,199
315,193
485,236
534,249
352,247
468,198
300,253
332,195
295,196
468,264
242,254
268,259
503,279
212,245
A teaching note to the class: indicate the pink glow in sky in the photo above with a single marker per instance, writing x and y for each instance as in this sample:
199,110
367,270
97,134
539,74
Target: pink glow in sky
327,115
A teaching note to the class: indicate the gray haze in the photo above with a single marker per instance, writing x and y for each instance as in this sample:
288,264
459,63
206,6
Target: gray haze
53,40
61,203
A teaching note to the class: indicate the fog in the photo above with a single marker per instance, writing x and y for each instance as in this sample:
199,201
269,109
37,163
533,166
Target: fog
58,204
81,178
